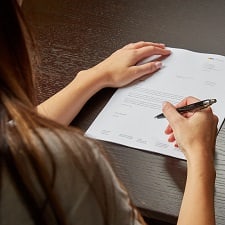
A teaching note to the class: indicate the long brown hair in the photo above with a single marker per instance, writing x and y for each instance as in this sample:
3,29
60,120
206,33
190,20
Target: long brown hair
19,117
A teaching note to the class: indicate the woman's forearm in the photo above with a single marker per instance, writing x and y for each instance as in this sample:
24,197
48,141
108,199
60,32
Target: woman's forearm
67,103
198,202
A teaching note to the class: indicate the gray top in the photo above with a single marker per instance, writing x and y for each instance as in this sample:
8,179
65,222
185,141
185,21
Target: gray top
79,203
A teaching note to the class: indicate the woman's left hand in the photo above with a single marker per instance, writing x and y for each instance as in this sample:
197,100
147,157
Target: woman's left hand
121,68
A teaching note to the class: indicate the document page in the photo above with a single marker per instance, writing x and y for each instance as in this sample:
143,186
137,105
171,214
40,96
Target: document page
128,117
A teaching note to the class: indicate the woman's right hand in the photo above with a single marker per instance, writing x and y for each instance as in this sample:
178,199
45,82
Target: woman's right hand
194,133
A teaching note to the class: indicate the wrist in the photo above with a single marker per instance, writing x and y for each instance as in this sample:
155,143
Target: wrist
202,166
90,80
103,76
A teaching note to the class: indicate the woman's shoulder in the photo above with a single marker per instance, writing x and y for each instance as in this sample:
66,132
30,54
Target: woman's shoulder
80,176
58,139
60,154
69,151
78,162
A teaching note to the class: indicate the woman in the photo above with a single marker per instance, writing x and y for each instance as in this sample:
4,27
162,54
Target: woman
52,174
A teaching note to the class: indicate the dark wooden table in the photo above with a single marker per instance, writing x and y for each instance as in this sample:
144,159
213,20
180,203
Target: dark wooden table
76,34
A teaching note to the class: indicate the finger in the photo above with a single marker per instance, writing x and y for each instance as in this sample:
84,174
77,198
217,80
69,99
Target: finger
171,138
148,51
168,130
128,46
145,69
187,101
176,145
171,114
141,44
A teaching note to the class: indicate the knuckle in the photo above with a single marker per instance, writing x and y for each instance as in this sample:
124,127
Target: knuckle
135,71
134,52
141,43
153,48
152,67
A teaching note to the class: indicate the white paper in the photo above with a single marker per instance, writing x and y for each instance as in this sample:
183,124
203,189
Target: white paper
128,117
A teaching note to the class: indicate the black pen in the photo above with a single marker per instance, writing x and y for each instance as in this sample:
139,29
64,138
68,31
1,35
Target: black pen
192,107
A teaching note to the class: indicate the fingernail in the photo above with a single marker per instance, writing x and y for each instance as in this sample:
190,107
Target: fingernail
158,65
